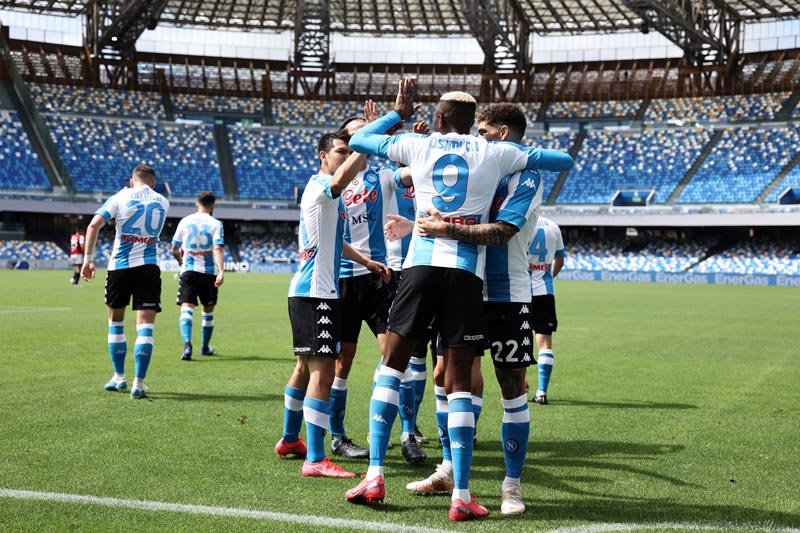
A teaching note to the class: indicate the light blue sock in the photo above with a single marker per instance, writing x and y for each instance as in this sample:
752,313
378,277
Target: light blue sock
338,405
442,410
187,316
316,412
477,406
383,409
292,413
461,426
515,431
420,375
143,349
117,346
208,328
546,359
407,413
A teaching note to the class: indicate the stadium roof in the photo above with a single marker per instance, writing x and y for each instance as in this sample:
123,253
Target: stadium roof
440,17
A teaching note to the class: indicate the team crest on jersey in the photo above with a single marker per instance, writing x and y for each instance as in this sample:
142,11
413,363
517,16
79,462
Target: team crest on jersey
371,177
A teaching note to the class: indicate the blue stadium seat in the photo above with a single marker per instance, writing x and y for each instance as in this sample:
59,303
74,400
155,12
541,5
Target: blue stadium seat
20,168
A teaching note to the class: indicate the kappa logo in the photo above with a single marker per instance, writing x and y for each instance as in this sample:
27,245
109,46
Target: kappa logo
529,183
379,418
524,310
455,445
323,307
324,335
324,320
526,358
324,349
525,325
526,341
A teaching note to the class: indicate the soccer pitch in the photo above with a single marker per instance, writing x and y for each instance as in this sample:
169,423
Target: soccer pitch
672,408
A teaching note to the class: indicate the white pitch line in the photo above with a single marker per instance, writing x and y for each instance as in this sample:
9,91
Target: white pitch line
318,521
9,309
603,528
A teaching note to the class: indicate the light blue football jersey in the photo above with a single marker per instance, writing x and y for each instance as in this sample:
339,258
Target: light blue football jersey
547,244
140,213
196,236
367,200
320,238
403,204
517,201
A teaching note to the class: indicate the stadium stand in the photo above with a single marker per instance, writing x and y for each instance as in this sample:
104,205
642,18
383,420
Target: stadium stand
257,249
761,255
100,153
611,160
51,98
609,109
20,168
217,104
748,107
658,255
23,249
315,112
270,163
742,164
792,179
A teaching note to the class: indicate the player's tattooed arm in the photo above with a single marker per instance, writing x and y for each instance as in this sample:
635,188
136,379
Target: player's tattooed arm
491,234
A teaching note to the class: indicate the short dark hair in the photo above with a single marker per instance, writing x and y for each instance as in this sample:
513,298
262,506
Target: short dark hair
206,199
348,120
505,114
325,144
144,172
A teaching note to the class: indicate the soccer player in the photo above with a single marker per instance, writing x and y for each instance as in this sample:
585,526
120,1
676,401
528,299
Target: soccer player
76,244
457,174
546,256
199,247
368,200
133,270
507,296
314,307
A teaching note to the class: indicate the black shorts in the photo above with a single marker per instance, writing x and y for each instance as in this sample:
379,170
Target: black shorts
196,285
452,295
509,334
367,299
543,314
315,326
142,282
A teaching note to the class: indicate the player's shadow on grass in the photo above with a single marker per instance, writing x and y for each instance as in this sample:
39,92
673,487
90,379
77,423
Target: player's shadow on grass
625,405
647,510
586,455
189,396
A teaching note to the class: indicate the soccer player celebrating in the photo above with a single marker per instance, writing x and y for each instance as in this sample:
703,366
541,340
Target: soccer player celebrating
546,259
198,246
314,307
133,270
507,297
456,174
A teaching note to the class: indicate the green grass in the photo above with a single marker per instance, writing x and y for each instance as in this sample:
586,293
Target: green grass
670,404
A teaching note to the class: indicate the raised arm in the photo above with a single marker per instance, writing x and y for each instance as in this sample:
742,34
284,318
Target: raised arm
371,139
548,159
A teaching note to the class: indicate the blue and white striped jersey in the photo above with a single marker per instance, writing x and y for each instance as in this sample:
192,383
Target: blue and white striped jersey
196,236
517,201
547,244
456,174
140,213
366,201
321,238
403,204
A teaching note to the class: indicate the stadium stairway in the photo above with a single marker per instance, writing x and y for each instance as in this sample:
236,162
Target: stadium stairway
778,179
712,142
225,159
559,184
717,249
639,118
788,106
